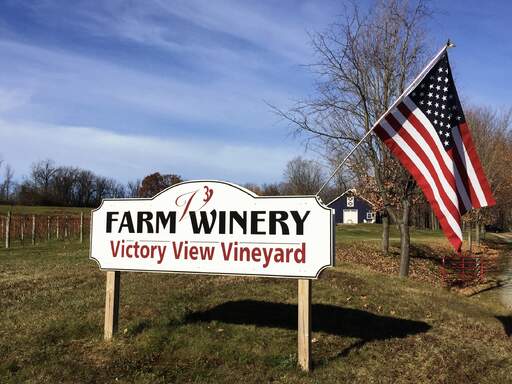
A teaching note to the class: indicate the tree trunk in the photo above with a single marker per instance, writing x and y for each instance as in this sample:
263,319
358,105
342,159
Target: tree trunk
405,240
434,222
477,232
470,237
385,233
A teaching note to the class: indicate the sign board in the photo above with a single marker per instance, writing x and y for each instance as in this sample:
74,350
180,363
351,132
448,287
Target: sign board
217,228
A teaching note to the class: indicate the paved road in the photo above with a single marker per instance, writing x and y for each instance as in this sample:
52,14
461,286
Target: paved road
506,275
505,237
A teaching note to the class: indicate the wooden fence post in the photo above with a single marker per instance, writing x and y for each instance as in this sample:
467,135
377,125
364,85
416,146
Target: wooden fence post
304,325
112,304
48,229
7,230
22,229
33,229
66,227
57,232
81,227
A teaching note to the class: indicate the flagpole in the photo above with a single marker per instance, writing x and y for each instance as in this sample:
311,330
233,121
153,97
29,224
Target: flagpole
418,78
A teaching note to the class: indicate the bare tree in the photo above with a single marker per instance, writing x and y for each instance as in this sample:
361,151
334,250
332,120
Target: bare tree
253,188
101,189
41,175
7,183
116,189
84,188
133,188
64,185
302,177
491,131
364,64
272,189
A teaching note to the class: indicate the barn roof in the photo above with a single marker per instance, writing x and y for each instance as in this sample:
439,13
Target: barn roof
353,191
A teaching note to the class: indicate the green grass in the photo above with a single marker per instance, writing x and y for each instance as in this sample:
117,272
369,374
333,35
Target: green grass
373,233
41,210
368,326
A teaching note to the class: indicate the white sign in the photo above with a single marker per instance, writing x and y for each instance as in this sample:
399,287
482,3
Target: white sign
214,227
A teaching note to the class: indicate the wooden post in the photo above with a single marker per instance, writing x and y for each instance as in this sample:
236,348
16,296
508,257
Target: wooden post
65,227
470,237
57,232
7,230
48,229
112,304
304,325
33,229
462,273
81,227
22,229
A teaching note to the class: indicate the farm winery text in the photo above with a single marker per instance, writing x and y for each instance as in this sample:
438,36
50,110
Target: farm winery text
214,227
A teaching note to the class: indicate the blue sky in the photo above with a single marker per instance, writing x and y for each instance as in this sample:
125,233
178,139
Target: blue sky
125,88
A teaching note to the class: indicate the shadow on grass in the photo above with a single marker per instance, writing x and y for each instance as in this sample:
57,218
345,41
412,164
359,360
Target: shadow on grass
330,319
507,324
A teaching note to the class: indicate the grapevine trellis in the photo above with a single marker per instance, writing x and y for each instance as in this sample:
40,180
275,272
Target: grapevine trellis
24,230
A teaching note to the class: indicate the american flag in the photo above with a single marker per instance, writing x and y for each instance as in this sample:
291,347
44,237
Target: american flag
427,131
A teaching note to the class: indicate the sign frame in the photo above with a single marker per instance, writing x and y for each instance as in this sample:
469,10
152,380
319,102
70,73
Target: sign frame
332,229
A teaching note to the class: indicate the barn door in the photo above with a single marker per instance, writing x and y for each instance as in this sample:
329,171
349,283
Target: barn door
350,216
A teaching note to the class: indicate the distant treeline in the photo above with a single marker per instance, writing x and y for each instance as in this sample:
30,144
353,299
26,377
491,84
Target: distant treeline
55,185
48,184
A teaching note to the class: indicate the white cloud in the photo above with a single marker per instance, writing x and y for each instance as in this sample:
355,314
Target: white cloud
280,31
126,157
281,35
61,79
13,98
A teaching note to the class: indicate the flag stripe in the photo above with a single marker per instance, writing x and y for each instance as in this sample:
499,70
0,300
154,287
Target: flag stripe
478,200
460,167
432,144
454,235
426,145
462,188
426,160
475,161
421,174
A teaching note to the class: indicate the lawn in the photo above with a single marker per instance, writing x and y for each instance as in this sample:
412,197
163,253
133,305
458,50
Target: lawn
373,233
368,326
